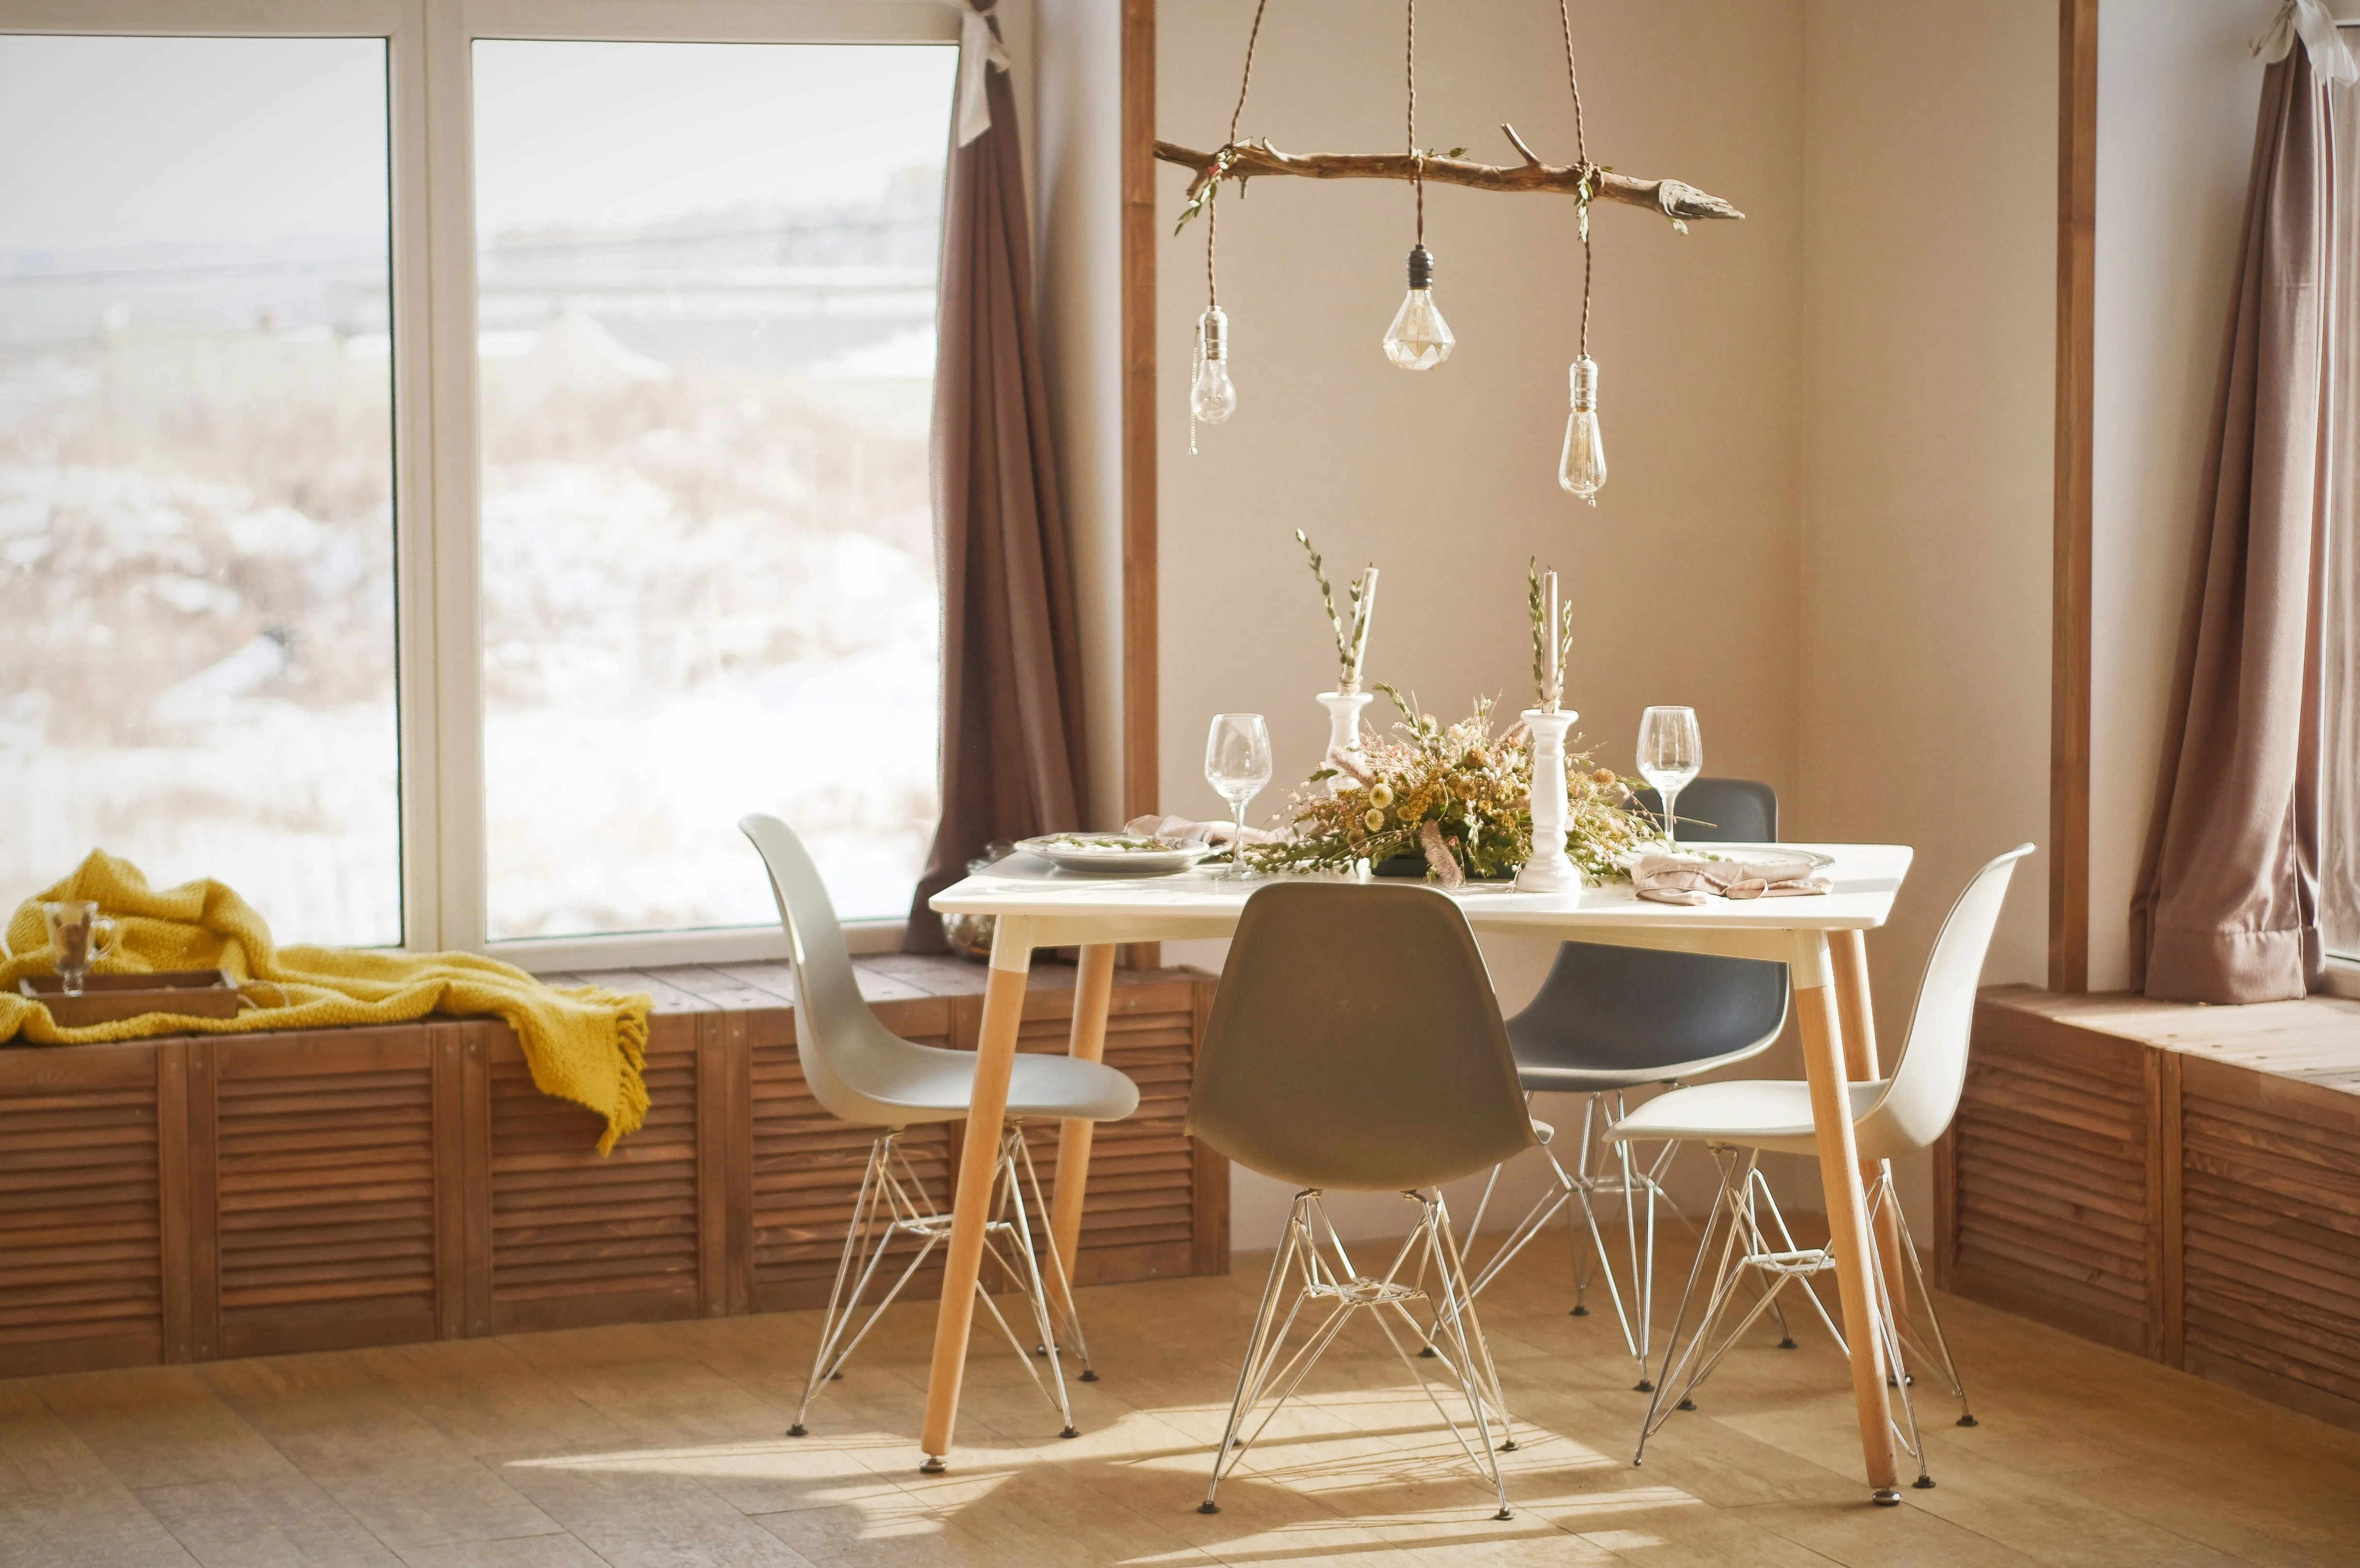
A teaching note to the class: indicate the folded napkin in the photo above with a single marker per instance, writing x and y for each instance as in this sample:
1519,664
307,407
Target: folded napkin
1189,830
1693,878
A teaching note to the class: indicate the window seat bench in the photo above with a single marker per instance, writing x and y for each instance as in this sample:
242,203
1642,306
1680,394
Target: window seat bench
201,1196
2179,1182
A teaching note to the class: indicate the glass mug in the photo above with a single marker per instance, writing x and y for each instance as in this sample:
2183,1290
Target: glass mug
79,937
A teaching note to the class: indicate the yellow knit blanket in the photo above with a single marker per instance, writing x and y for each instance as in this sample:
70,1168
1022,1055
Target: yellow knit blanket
587,1045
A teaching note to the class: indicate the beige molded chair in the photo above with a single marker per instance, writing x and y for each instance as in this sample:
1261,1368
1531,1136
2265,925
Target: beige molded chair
865,1073
1355,1045
1741,1119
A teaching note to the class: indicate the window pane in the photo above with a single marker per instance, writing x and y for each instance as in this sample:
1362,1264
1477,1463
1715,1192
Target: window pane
196,476
706,301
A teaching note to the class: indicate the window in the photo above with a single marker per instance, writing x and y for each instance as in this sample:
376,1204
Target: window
448,476
707,372
196,470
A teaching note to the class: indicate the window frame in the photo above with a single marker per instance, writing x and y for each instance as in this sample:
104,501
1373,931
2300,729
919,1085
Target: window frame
437,469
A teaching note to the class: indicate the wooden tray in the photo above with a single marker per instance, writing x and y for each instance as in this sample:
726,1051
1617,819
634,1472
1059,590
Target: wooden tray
191,993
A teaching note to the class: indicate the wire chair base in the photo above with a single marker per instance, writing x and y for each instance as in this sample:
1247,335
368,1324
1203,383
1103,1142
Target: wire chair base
1757,1252
1312,1269
1602,1174
894,1206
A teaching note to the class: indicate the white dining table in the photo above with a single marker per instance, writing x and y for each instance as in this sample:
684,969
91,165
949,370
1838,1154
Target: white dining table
1820,938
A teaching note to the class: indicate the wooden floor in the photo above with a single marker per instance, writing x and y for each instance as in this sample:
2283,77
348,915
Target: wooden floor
661,1446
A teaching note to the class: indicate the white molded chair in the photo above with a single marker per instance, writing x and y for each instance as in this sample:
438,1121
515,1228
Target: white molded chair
1741,1119
865,1073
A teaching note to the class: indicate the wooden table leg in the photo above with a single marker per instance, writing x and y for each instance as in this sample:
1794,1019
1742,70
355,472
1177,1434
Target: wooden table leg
1823,1065
995,1056
1093,994
1848,950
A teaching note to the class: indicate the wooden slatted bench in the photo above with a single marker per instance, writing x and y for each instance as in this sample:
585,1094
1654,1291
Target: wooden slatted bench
2181,1183
204,1196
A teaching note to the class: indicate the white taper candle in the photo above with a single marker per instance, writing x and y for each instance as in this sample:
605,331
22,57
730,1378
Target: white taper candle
1556,648
1361,619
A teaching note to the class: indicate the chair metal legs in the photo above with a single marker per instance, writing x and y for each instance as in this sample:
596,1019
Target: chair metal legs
1602,1174
1312,1269
1756,1251
894,1205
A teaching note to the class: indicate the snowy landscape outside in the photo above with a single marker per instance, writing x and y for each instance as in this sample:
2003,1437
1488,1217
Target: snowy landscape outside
706,559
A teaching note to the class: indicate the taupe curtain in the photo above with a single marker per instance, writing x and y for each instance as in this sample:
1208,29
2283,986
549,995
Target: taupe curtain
2226,908
2339,870
1012,758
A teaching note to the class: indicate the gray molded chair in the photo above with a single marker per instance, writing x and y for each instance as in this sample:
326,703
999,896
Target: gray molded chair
1355,1044
863,1072
1901,1115
1611,1018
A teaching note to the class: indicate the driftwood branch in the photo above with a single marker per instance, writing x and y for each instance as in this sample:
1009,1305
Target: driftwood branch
1249,160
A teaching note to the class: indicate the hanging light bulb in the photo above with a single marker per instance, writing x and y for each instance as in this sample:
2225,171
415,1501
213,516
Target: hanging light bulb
1582,467
1213,398
1419,338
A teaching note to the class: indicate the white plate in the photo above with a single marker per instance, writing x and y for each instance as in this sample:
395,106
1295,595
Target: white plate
1116,854
1756,852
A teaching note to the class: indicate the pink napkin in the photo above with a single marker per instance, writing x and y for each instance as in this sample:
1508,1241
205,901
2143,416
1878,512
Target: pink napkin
1190,830
1691,878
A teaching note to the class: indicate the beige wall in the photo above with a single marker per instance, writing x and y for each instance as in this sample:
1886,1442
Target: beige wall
1929,153
1448,479
2176,94
1829,426
1077,156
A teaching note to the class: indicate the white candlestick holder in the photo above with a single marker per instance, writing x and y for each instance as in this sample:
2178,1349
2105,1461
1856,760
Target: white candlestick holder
1550,869
1344,733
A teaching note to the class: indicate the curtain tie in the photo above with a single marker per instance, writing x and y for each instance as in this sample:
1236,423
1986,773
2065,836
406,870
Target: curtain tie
2330,59
980,51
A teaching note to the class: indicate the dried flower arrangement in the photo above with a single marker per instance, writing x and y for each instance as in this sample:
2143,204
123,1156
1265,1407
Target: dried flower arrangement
1352,644
1457,796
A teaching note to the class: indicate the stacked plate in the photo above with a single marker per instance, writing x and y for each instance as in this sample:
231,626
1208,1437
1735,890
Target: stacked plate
1121,855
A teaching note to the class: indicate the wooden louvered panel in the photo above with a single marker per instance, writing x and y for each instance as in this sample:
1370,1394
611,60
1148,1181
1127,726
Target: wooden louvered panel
324,1220
807,1168
2049,1206
80,1220
2269,1200
577,1238
1140,1220
206,1196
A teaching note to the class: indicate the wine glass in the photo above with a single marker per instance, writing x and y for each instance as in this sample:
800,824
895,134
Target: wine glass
1237,764
1671,753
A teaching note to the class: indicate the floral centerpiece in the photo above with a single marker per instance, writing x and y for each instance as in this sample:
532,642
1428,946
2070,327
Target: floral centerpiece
1457,797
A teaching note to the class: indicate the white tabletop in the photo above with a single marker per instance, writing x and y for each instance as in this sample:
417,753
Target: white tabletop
1061,909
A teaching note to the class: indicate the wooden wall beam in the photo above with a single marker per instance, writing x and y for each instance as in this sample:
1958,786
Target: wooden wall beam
1139,751
1141,684
2069,673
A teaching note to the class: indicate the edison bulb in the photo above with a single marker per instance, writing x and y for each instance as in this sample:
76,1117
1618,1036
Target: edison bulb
1419,338
1213,398
1581,467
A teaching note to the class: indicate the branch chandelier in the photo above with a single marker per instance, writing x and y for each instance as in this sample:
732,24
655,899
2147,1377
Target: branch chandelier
1419,339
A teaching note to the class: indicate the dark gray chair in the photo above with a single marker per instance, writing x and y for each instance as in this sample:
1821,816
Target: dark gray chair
1356,1044
1608,1019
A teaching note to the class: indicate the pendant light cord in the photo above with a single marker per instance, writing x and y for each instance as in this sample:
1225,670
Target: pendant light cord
1416,160
1220,160
1581,156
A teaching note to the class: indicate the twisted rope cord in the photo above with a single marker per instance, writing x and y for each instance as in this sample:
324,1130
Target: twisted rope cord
1418,159
1581,156
1220,160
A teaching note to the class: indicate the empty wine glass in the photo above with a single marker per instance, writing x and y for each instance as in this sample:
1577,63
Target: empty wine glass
1671,753
1237,764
